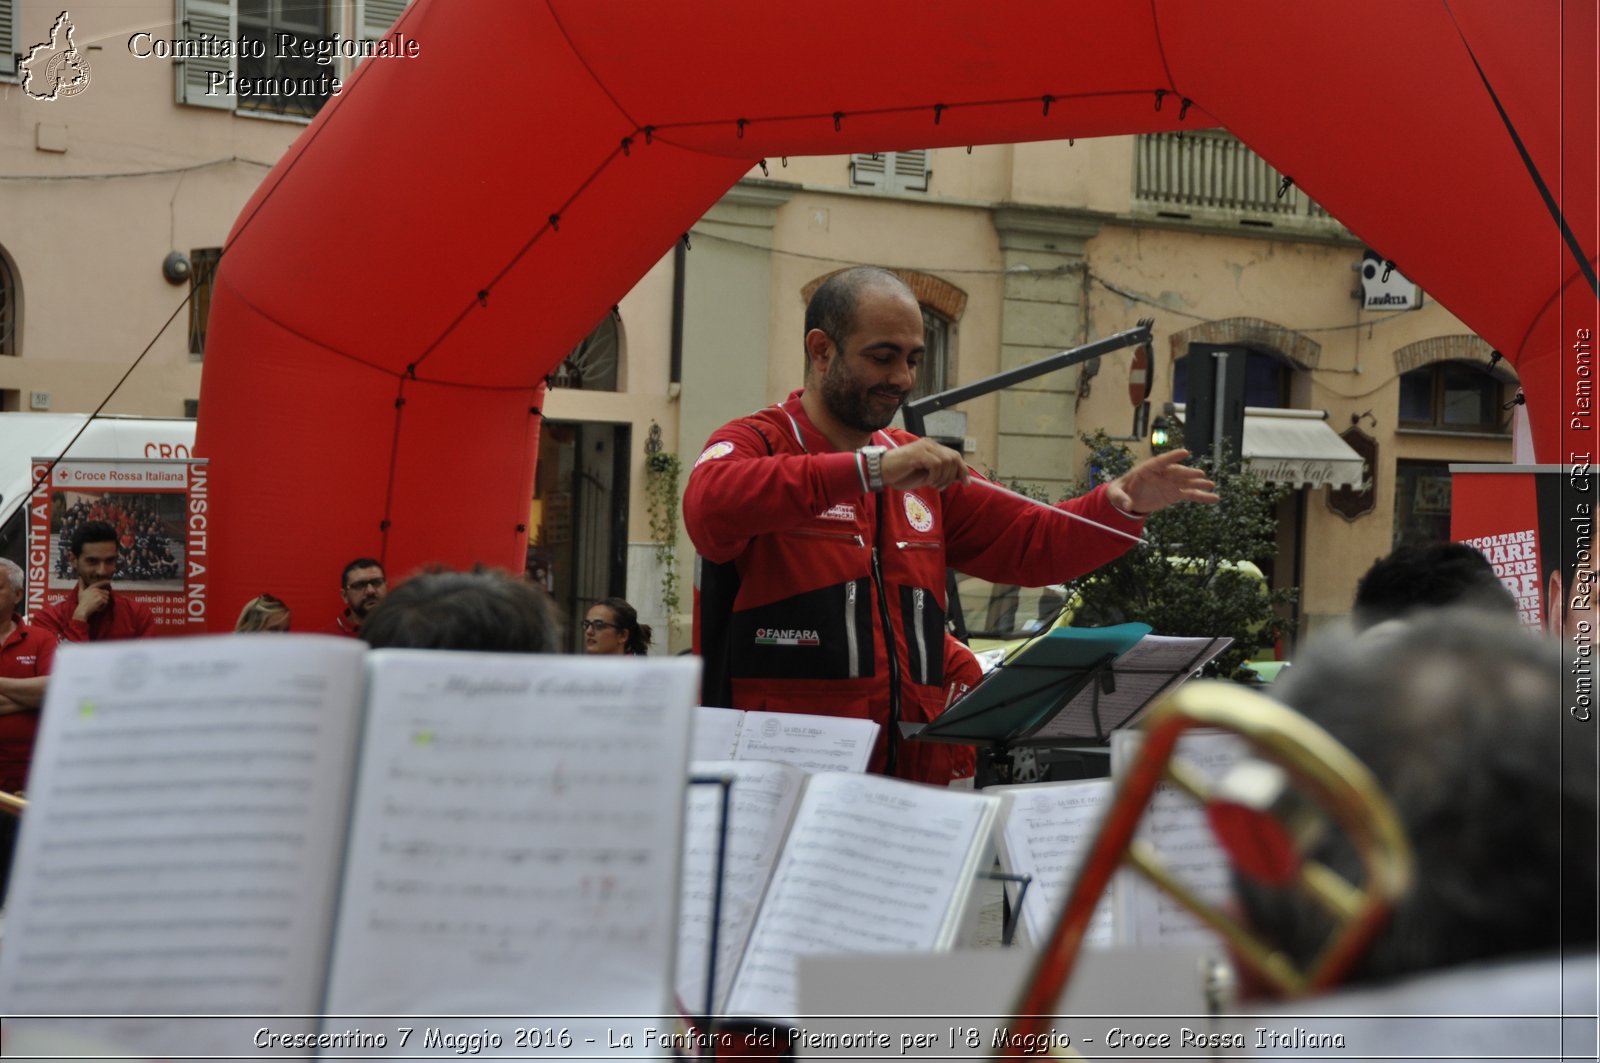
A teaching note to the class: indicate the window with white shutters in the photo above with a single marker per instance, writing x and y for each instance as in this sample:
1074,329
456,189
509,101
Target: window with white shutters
375,17
265,77
207,81
892,171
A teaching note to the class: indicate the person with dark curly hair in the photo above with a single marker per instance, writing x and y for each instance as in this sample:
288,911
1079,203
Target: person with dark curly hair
1429,576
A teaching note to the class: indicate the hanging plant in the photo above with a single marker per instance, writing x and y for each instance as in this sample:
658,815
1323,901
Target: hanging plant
662,470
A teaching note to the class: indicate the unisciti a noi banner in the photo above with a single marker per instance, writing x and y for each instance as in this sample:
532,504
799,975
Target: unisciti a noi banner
158,509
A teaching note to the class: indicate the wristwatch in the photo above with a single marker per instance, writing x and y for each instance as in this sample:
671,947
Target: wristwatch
872,458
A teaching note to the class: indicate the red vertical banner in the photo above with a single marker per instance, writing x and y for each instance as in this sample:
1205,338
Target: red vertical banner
1495,509
159,512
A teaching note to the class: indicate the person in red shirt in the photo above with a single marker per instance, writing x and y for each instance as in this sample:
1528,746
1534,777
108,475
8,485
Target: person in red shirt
824,535
362,585
26,654
91,612
25,657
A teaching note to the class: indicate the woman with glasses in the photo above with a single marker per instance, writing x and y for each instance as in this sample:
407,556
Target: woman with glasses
264,613
612,627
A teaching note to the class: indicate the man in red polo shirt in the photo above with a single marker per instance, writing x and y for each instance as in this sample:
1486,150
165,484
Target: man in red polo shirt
362,585
25,656
91,613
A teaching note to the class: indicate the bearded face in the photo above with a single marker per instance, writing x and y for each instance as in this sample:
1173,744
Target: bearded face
854,399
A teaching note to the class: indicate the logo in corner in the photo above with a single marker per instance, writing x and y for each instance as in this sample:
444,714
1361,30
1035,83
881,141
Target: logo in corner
715,450
918,513
55,69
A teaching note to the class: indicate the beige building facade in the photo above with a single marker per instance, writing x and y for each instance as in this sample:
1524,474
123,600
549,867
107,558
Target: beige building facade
1017,252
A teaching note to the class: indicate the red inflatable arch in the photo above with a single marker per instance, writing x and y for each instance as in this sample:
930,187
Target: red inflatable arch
450,225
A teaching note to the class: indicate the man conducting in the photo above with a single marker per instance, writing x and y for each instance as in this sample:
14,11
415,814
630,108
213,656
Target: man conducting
824,537
91,612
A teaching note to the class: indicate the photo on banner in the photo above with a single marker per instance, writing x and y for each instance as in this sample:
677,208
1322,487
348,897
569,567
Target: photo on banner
158,508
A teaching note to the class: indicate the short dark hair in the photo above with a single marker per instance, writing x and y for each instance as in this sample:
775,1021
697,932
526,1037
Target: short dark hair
1429,575
635,636
478,610
94,531
832,307
1459,719
360,562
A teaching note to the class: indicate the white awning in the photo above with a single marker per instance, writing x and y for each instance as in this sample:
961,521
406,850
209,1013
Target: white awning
1296,447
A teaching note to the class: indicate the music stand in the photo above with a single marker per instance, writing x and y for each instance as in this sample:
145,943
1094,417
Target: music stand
1088,670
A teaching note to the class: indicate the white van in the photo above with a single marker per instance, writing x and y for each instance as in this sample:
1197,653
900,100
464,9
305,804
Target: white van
25,436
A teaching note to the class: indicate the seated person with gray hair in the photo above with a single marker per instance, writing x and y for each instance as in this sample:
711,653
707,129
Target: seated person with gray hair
478,610
1458,716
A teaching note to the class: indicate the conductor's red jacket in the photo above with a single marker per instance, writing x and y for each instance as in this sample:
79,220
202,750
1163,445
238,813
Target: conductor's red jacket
815,595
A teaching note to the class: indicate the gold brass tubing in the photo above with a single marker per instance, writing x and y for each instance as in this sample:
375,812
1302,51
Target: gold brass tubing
1339,784
1330,889
1189,780
11,804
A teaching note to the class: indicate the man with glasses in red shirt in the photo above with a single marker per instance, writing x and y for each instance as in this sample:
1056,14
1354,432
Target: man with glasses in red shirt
362,585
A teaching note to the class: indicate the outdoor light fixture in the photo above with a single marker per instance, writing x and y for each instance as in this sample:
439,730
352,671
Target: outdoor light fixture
1160,439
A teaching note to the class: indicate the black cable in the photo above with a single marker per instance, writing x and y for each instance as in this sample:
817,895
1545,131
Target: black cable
1527,161
48,469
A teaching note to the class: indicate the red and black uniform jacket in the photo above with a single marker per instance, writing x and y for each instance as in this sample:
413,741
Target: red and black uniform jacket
25,653
816,595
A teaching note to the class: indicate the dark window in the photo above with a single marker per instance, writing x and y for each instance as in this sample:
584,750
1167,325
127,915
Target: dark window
933,373
1452,397
1421,502
202,271
592,365
8,307
1266,381
302,84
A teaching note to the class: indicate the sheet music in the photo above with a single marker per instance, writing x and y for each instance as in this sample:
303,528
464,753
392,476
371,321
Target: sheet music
760,804
1047,834
1176,826
189,802
515,837
815,743
1152,668
716,732
871,865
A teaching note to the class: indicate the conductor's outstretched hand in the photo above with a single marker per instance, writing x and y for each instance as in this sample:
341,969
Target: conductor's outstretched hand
1158,482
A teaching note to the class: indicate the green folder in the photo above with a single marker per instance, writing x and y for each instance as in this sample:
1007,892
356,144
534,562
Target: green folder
1023,694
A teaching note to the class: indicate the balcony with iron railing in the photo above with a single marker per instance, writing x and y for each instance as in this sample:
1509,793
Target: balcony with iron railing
1213,179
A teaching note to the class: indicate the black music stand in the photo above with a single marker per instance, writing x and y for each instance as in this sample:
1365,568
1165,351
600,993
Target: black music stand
1068,686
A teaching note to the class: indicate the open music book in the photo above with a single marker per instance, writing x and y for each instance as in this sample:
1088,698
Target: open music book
1047,831
827,862
1049,827
291,826
815,743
